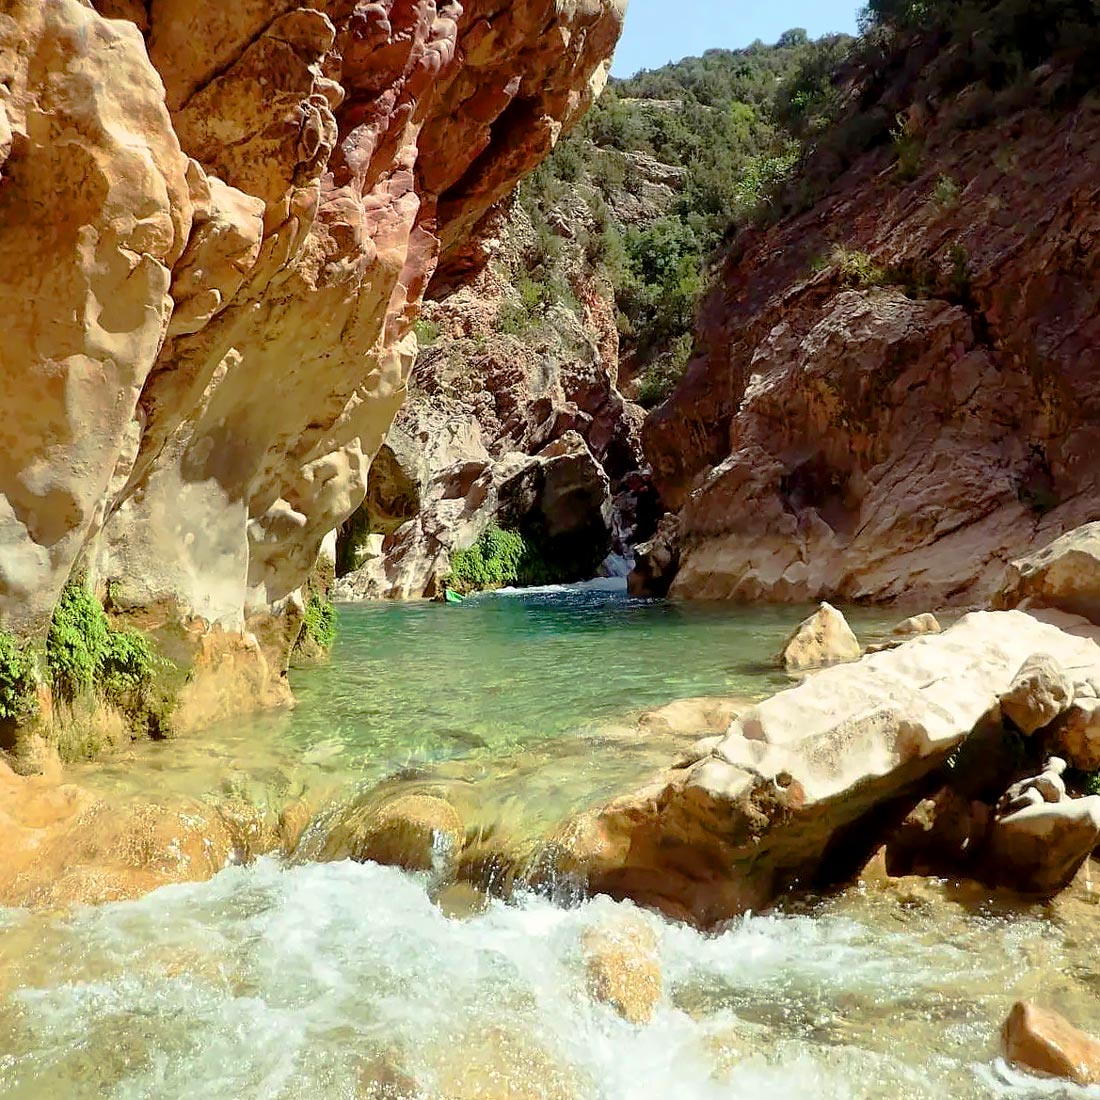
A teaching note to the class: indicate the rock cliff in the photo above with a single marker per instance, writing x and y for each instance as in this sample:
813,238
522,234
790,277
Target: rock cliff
217,223
895,391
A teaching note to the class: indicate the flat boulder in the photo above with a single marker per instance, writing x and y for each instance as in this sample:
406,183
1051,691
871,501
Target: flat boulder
1040,692
1040,1041
1065,575
825,638
774,801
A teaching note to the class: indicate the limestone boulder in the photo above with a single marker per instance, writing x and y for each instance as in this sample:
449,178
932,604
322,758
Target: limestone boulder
1064,575
622,967
1038,849
1040,691
1076,735
773,801
1041,1041
917,624
825,638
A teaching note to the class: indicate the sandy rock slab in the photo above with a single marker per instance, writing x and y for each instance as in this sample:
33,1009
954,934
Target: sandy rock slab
1041,1041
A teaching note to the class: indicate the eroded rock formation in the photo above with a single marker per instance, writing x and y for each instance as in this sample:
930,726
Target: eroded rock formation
895,392
217,223
786,795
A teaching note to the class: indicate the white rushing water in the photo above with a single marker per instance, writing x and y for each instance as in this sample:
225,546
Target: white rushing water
274,983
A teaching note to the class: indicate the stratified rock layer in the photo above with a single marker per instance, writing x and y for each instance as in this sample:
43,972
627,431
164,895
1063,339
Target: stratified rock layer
896,392
216,227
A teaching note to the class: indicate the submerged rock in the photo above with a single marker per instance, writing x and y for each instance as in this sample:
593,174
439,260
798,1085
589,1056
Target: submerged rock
419,832
918,624
825,638
1042,1041
622,967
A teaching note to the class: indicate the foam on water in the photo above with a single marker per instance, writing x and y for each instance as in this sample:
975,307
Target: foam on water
273,983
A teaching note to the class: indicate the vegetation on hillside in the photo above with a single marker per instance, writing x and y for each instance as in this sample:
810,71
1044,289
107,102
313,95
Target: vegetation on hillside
764,132
715,122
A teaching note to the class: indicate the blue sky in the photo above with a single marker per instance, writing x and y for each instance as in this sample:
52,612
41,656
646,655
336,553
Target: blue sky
658,31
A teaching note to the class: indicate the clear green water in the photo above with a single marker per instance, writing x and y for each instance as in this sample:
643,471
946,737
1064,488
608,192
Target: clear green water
326,981
415,686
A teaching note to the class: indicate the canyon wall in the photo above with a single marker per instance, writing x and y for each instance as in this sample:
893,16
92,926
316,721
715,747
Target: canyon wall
897,390
217,223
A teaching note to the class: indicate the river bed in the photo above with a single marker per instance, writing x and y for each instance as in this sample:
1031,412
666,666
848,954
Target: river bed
340,981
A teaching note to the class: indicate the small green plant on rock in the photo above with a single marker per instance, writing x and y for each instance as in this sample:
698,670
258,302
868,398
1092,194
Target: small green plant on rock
427,332
320,621
946,193
857,269
17,680
76,642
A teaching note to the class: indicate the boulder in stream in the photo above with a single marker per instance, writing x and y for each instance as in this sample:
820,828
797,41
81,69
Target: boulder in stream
1041,1041
825,638
622,967
1063,575
785,796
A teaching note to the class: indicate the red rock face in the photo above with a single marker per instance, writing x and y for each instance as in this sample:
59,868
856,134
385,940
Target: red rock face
890,441
209,271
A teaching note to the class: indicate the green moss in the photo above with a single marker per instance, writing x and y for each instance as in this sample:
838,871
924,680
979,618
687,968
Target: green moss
88,659
17,680
320,621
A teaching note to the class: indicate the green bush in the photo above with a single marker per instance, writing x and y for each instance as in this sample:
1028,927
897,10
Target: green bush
495,560
17,680
427,332
320,620
858,269
86,657
77,642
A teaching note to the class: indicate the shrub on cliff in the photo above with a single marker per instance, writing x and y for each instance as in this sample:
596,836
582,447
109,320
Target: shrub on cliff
494,561
319,621
88,658
17,680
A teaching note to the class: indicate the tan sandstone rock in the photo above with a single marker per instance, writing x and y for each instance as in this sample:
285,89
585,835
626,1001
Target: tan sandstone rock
216,230
1076,735
727,832
1044,1042
918,624
419,832
622,967
1040,692
825,638
1064,575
